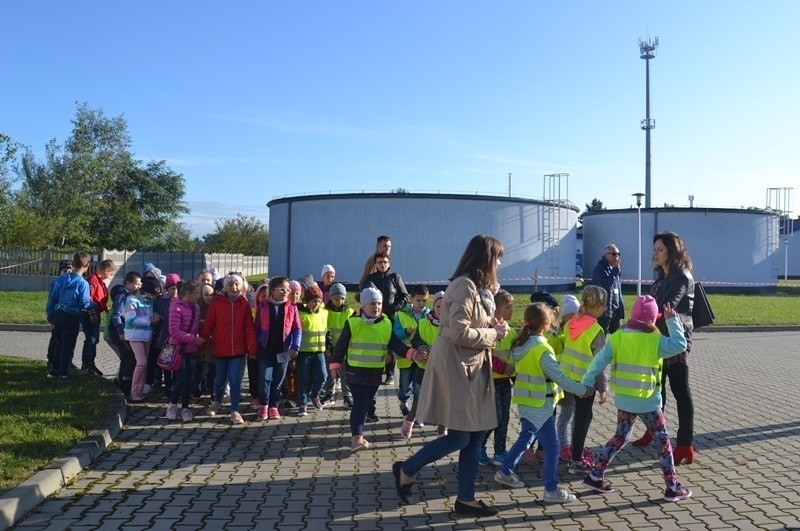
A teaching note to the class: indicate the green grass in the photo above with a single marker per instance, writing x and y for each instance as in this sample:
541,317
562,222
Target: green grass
23,307
40,419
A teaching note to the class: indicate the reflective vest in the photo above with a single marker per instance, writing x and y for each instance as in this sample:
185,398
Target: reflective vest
427,333
635,364
336,322
314,326
503,351
578,352
406,321
556,340
368,342
532,387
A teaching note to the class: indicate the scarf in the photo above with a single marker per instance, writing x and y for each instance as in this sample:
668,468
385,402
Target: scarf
635,324
433,318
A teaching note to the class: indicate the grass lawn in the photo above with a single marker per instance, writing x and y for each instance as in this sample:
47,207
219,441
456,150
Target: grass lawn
40,419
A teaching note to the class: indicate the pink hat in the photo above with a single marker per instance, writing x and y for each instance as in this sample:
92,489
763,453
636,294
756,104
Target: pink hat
171,280
437,296
327,268
294,286
645,310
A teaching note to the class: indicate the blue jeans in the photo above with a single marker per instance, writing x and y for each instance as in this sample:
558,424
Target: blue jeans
407,387
182,381
502,402
228,370
547,438
468,443
271,377
91,332
363,396
311,374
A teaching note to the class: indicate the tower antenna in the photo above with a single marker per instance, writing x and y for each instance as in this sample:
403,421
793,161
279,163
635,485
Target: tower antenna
647,51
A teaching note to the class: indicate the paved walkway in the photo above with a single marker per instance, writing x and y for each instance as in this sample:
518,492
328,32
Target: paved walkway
298,473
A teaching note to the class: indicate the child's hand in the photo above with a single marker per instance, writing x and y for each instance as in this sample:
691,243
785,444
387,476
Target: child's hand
293,354
510,368
327,353
603,398
155,319
669,312
199,341
589,392
422,354
410,330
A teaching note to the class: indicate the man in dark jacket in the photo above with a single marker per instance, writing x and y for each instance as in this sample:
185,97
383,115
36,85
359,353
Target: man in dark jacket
606,275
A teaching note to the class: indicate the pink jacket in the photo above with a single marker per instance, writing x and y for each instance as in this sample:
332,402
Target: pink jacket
182,327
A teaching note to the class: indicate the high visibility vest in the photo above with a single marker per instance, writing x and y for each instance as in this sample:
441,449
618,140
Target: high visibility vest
635,364
532,387
406,321
368,342
427,333
336,322
503,351
314,326
555,340
577,353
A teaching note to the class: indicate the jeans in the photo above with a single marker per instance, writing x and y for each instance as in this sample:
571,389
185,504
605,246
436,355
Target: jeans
678,373
566,412
363,395
182,381
66,328
502,402
311,374
270,378
468,443
549,442
407,387
228,369
91,332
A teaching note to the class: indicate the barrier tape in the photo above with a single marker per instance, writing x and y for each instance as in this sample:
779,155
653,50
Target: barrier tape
22,264
624,280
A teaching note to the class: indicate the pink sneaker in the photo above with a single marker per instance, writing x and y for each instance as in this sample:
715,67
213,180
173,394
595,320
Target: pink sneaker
565,453
273,413
406,429
262,413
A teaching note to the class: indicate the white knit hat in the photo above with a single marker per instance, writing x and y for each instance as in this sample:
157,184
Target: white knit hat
570,305
369,295
327,268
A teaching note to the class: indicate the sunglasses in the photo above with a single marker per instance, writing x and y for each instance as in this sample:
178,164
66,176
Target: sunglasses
614,254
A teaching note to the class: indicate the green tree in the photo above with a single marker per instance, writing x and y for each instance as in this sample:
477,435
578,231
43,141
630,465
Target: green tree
244,234
21,227
176,237
8,152
595,206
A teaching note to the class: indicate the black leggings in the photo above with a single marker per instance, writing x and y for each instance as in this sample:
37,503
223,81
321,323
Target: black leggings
678,373
583,418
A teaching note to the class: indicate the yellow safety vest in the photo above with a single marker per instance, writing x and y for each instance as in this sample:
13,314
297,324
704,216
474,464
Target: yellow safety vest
532,387
314,326
428,333
556,340
406,321
336,322
578,352
635,364
368,342
503,351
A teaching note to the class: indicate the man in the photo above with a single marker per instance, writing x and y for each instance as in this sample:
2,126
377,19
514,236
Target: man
383,245
606,275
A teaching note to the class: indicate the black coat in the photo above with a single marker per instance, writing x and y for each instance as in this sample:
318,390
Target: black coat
395,295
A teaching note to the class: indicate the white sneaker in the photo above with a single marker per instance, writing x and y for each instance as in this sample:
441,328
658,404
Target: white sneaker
560,495
186,415
236,418
213,409
172,411
510,480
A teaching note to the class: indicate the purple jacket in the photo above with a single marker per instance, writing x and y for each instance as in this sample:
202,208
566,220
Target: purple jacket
182,327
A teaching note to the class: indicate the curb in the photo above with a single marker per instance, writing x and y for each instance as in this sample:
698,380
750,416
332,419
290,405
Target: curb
10,327
24,498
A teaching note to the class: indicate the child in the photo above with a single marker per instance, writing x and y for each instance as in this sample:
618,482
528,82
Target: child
116,330
536,391
139,319
90,321
338,313
229,324
502,369
570,306
253,372
635,353
68,298
184,322
311,372
361,349
204,363
405,326
64,268
289,388
583,338
161,333
327,277
278,334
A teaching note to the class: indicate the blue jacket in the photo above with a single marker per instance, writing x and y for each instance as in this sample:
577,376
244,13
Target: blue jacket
608,278
69,293
118,295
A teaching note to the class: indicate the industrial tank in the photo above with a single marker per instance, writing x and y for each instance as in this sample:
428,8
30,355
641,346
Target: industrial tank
429,233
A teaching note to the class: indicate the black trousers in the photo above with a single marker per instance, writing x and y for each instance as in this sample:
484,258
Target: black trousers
678,374
583,418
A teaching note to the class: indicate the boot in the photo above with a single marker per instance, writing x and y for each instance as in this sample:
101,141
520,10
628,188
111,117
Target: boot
646,439
683,452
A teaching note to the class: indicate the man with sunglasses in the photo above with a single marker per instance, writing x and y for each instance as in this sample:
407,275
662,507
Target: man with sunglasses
606,275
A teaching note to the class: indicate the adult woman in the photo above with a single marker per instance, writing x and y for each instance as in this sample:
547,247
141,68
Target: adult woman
674,285
457,391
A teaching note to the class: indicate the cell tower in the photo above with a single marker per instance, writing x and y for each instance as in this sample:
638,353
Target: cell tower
647,51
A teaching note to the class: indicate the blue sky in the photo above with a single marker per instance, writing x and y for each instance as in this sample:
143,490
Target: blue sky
256,100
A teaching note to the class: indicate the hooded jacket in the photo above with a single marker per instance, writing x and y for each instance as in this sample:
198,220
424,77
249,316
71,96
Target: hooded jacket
229,325
70,294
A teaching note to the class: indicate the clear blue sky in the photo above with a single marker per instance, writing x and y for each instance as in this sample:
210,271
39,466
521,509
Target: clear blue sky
256,100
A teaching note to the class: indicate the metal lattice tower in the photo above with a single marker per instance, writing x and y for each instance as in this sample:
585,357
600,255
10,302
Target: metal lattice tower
647,51
779,201
555,222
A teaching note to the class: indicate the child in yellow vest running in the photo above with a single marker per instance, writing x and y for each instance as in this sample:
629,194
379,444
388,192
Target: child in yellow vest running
635,353
502,369
583,338
536,391
338,313
405,325
311,365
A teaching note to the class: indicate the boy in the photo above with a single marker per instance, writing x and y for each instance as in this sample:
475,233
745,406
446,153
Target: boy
68,298
64,268
90,321
405,325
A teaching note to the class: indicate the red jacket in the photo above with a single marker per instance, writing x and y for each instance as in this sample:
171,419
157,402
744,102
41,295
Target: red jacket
98,292
230,327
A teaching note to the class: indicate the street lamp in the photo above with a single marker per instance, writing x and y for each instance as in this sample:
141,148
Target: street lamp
639,197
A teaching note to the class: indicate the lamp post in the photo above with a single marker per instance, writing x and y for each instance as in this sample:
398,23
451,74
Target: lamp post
638,197
786,258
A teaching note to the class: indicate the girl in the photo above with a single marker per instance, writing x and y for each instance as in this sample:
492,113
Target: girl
229,324
184,322
204,366
635,353
139,319
253,371
338,313
277,332
361,349
536,392
327,277
583,338
311,371
161,308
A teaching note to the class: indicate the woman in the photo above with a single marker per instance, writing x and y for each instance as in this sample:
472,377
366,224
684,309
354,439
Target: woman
457,390
674,285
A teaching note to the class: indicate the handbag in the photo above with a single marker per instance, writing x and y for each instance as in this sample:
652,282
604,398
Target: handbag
702,314
169,359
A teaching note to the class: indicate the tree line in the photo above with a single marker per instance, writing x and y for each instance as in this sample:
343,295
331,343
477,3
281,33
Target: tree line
91,192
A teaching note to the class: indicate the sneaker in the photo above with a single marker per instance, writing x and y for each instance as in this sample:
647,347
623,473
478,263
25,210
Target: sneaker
52,375
530,457
302,411
509,480
484,460
389,380
419,424
316,403
186,415
373,417
147,389
406,429
64,377
172,412
597,485
588,456
443,433
348,402
497,460
273,413
236,418
213,409
404,409
92,369
560,495
578,468
263,414
565,453
677,494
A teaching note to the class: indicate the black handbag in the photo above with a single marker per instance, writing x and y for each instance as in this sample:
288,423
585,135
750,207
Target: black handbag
702,314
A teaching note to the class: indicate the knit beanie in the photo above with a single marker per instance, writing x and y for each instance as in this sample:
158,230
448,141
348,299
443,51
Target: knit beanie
337,290
171,280
369,295
570,305
311,294
294,286
437,296
645,310
327,268
150,286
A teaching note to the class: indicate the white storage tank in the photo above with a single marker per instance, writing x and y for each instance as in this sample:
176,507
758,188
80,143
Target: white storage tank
429,233
732,250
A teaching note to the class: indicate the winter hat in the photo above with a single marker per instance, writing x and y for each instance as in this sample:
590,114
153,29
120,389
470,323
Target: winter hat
294,286
369,295
171,280
219,284
543,296
327,268
437,296
64,265
645,310
307,281
337,290
310,295
570,305
151,286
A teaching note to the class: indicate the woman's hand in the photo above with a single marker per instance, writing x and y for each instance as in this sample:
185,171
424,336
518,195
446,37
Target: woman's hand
669,311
